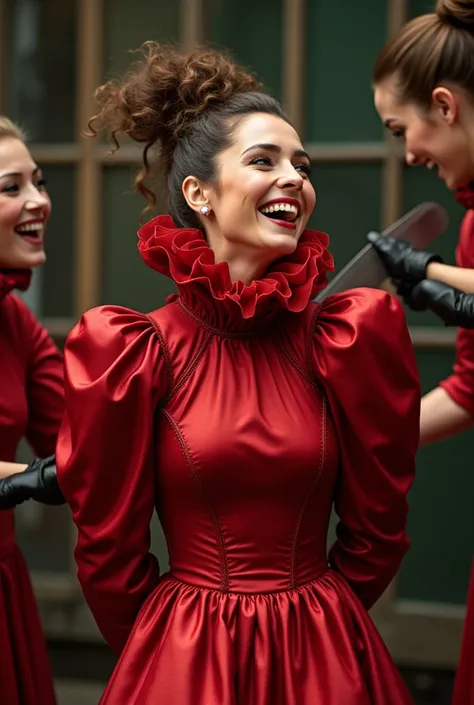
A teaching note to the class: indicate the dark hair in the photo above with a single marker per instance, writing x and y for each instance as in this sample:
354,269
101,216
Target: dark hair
187,106
429,50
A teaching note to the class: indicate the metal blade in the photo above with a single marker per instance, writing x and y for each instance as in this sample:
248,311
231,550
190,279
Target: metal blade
420,226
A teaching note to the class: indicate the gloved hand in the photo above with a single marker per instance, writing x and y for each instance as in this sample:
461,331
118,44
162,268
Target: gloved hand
403,261
454,307
39,482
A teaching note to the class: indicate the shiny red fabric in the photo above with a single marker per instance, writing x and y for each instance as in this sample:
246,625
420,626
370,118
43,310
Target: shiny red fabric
460,384
460,387
31,405
463,693
241,412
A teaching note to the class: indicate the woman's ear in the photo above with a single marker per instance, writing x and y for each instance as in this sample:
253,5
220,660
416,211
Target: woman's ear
446,103
195,193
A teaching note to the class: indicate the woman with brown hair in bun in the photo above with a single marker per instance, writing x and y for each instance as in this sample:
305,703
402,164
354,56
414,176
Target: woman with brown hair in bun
424,93
240,411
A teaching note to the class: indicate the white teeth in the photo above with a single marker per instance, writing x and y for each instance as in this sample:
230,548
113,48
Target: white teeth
430,164
29,227
289,207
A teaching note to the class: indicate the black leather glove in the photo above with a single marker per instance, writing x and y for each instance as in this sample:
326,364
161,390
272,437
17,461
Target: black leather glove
403,261
39,482
454,307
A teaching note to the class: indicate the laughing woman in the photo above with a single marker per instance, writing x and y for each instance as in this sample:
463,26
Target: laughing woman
31,406
241,412
424,93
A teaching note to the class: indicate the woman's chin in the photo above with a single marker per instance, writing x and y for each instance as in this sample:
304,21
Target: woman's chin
31,262
281,243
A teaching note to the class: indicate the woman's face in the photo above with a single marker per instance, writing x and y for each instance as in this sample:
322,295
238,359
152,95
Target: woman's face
440,139
24,207
263,197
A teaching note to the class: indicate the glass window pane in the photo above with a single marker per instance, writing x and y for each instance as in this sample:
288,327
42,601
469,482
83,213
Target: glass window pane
41,76
347,207
421,184
436,568
126,279
57,276
128,25
252,31
342,43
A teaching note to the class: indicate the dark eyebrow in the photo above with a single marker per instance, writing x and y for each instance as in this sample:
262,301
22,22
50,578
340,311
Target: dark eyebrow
18,173
388,123
276,148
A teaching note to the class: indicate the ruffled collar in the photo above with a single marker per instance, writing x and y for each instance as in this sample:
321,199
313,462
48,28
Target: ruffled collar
14,279
206,290
465,195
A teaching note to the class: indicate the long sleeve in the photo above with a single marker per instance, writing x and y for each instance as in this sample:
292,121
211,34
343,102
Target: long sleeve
363,358
42,374
114,380
44,390
460,384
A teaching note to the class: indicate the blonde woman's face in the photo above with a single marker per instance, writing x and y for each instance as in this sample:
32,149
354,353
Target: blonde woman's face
25,207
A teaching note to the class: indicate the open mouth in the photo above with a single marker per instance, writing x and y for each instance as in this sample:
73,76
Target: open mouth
284,212
32,230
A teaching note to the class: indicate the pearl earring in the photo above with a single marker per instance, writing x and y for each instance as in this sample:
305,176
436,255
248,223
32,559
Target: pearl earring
205,210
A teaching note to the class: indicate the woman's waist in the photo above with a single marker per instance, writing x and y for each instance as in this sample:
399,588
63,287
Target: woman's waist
252,576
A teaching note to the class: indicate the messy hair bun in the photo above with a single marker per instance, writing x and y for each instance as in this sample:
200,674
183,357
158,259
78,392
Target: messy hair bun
430,50
457,13
182,104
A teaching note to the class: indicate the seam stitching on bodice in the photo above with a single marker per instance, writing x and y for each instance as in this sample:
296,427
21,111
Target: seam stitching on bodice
187,372
259,593
197,481
310,342
322,462
214,329
166,354
295,363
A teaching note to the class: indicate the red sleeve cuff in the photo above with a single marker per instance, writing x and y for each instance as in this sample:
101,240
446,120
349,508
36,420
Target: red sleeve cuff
459,394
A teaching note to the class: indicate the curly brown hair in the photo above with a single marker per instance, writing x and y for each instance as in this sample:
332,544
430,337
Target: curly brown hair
184,105
430,49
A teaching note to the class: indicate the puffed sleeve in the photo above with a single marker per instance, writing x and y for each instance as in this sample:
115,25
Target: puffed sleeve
44,378
114,380
460,384
363,358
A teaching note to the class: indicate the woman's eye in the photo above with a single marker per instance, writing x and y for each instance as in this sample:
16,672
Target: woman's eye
261,161
11,188
41,184
305,168
398,133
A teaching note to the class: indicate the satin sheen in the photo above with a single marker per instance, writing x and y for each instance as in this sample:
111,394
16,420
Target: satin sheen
460,387
460,384
31,405
241,413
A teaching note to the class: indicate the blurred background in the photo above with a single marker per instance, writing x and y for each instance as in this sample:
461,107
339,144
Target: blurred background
316,56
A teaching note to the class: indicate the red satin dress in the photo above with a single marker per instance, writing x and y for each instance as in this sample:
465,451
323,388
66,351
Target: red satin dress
241,413
460,387
31,406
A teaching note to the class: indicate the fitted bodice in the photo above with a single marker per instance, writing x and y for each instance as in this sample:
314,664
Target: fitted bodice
246,459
